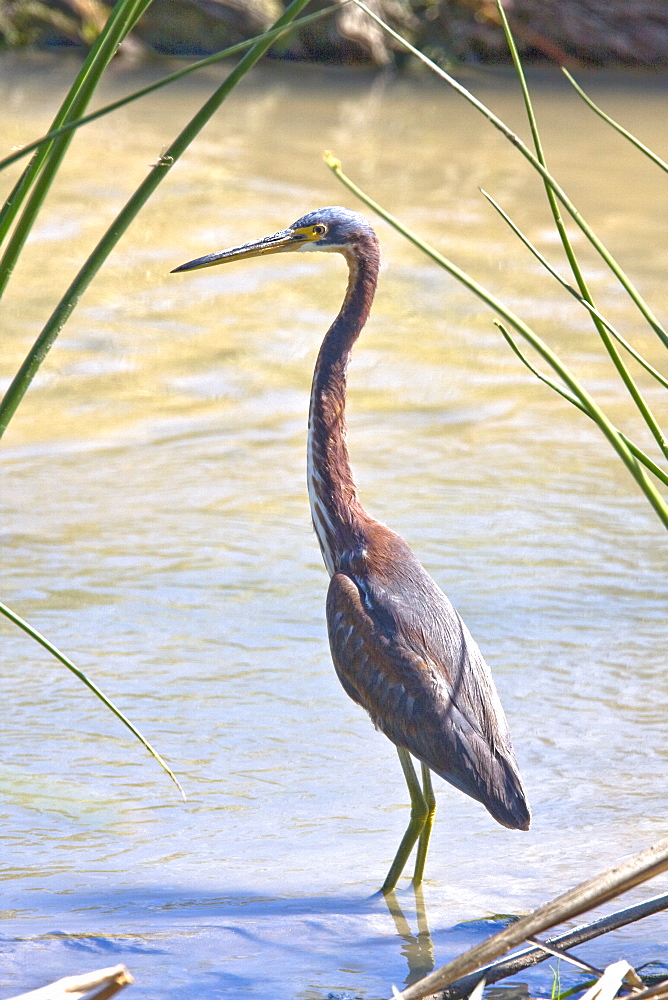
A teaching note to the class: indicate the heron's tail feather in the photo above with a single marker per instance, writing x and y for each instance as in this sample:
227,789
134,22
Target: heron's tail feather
491,776
505,797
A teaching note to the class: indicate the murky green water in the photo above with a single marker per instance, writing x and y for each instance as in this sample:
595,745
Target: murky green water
156,527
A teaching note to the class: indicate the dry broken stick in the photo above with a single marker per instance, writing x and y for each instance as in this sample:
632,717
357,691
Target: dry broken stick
570,904
93,985
571,939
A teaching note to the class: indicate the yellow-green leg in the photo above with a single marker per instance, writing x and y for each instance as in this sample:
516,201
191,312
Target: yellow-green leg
420,812
423,845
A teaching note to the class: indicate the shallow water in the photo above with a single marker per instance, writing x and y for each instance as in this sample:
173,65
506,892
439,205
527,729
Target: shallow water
156,528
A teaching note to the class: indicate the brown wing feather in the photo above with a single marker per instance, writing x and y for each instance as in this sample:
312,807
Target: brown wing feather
438,711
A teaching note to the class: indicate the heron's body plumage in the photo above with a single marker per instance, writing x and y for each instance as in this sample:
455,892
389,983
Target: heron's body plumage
400,649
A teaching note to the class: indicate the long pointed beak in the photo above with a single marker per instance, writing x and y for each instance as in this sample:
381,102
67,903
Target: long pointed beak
281,242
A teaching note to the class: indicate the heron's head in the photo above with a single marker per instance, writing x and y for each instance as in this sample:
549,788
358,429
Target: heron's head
330,229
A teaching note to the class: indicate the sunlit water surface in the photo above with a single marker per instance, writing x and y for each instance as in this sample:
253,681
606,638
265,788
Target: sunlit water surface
156,528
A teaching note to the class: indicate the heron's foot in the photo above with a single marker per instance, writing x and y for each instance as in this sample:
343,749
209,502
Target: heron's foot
419,815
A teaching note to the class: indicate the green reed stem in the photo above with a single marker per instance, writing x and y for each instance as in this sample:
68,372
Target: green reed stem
273,34
158,172
604,253
552,200
574,292
41,171
617,127
608,343
607,427
65,660
538,146
633,448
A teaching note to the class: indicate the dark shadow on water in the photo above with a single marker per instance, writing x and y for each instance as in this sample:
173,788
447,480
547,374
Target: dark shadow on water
196,942
163,930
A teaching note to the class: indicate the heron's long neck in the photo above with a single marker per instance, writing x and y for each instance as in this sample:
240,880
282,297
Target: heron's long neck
338,517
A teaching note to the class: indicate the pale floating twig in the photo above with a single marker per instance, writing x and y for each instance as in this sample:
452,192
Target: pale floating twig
93,985
610,982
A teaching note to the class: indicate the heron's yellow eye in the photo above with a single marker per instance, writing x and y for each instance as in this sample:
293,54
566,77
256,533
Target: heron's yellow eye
319,230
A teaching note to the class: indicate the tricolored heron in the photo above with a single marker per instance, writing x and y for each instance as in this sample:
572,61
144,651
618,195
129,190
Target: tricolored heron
400,649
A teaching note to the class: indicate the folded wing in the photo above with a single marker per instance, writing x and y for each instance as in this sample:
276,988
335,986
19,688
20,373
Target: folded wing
404,654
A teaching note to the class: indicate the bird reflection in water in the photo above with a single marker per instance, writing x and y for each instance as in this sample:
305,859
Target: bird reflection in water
418,949
399,648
